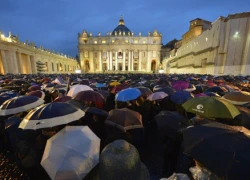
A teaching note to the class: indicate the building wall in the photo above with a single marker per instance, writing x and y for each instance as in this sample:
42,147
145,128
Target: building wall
222,49
17,57
101,53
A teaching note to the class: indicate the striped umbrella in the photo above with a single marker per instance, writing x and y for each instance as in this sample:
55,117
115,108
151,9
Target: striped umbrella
19,104
50,115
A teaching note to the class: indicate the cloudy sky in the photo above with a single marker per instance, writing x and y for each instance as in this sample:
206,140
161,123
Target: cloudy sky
54,24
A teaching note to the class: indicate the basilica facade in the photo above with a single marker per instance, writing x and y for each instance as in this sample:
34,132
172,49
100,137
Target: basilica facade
120,51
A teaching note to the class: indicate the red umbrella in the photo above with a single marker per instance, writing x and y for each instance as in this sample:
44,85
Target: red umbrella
37,93
62,99
118,88
34,88
89,96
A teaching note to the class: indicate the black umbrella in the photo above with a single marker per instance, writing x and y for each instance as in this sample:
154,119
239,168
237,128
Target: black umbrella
50,115
243,119
96,111
144,91
166,89
19,104
222,149
170,123
217,89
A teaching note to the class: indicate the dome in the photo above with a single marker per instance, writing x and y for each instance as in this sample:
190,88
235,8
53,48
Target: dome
121,28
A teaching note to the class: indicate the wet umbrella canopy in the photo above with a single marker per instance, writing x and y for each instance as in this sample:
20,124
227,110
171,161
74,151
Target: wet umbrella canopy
19,104
222,149
124,119
211,107
50,115
72,153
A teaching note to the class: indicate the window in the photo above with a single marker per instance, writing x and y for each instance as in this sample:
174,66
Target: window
144,42
113,41
52,66
136,41
85,41
103,41
126,41
95,41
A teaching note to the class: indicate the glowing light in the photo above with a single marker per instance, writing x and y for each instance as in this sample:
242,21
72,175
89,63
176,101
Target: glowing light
206,38
78,71
2,36
236,33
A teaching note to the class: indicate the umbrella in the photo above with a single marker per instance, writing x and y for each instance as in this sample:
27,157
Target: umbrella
50,115
211,107
62,99
34,88
37,93
222,149
124,119
170,123
100,85
96,111
118,88
127,94
72,153
77,104
217,89
237,98
243,119
166,89
114,83
144,91
19,104
89,96
212,94
180,97
180,85
78,88
4,98
200,95
10,93
156,96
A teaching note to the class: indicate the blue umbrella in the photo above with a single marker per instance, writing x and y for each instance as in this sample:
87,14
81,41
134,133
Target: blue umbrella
10,93
100,85
180,97
3,98
50,115
127,94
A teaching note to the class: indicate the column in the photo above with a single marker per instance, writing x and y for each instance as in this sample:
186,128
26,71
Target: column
5,65
116,61
110,60
81,62
29,67
132,61
140,59
100,61
33,64
129,59
91,61
20,62
14,60
123,62
149,62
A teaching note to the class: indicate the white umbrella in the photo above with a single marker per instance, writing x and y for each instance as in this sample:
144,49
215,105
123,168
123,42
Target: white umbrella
157,96
72,153
78,88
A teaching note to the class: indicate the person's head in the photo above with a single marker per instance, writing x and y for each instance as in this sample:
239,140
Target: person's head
121,160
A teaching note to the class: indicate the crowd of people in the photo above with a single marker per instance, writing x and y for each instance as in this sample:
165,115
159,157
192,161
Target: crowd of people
184,117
